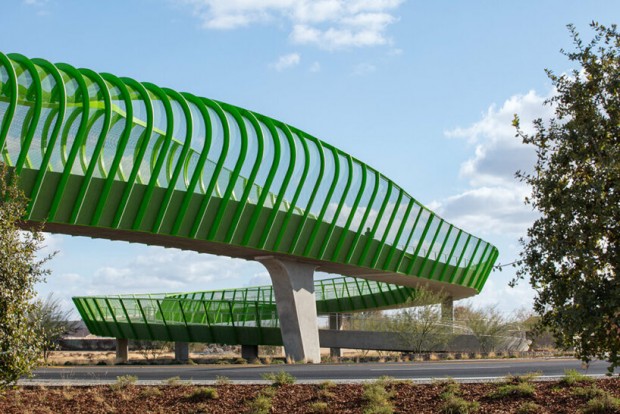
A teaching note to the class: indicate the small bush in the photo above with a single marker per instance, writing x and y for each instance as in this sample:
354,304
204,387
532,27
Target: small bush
67,395
522,389
572,376
173,381
457,405
203,393
148,392
588,392
529,407
603,404
325,392
240,361
377,398
269,392
319,407
279,378
260,405
451,388
376,394
124,381
327,385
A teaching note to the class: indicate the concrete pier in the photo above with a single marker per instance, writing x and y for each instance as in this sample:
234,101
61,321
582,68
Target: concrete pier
249,352
122,350
181,351
447,312
293,287
335,323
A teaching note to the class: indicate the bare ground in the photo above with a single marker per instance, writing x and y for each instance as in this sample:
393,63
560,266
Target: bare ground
551,397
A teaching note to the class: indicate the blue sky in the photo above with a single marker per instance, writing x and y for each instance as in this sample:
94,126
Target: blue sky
422,91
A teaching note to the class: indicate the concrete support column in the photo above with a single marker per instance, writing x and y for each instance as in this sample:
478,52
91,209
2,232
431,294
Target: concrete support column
181,351
249,352
335,323
293,287
447,312
122,350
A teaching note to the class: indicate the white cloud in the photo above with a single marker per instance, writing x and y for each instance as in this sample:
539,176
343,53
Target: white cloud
494,202
327,24
40,6
499,154
315,67
154,270
286,62
363,69
488,210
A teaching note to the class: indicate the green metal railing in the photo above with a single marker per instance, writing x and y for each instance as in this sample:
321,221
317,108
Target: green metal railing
220,315
112,157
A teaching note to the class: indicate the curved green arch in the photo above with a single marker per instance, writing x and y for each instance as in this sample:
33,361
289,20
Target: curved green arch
111,167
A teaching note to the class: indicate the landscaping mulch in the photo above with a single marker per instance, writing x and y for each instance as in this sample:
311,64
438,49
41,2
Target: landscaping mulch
552,397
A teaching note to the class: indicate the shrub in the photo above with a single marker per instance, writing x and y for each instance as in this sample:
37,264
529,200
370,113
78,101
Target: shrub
572,376
124,381
588,392
260,405
279,378
203,393
377,398
327,384
269,392
529,407
603,404
522,389
325,392
451,388
319,407
456,405
173,381
148,392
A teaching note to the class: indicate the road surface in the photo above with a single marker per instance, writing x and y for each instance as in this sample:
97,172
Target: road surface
420,371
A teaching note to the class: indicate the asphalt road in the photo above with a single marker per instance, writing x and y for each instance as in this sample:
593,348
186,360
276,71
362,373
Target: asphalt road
462,370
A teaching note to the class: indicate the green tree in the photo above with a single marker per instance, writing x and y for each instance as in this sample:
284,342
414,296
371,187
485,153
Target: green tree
52,322
572,252
420,324
20,269
489,326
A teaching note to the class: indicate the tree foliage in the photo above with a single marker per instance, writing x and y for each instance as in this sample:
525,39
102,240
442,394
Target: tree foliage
487,324
572,252
52,322
420,324
20,269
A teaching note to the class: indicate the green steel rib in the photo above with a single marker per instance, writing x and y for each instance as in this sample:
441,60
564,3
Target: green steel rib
98,155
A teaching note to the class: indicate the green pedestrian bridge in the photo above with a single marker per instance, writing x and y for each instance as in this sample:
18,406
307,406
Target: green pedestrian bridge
110,157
